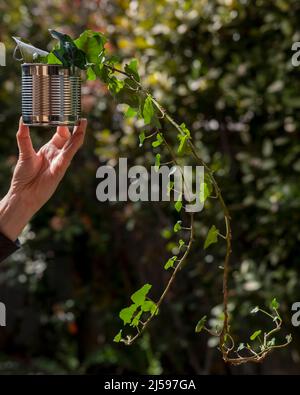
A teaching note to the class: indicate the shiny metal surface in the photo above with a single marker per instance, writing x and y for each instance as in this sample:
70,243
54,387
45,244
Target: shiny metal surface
51,95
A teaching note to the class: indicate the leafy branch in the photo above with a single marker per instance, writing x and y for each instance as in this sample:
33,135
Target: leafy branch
87,52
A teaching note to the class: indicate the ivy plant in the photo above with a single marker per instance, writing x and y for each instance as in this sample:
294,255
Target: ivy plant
87,52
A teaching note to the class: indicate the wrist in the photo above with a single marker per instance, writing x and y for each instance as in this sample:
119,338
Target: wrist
15,213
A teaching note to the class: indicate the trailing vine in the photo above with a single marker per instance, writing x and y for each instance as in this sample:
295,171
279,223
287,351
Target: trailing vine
87,52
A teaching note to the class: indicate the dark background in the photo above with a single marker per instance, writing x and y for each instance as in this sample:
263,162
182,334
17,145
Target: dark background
222,67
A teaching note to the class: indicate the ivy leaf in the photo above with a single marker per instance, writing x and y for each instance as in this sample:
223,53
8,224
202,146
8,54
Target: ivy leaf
255,334
140,295
52,59
159,140
180,244
115,85
147,305
135,322
204,192
68,53
142,138
178,205
91,75
92,44
148,110
118,337
200,325
170,262
185,130
131,112
170,187
183,138
157,162
132,69
274,304
212,237
177,226
126,314
182,143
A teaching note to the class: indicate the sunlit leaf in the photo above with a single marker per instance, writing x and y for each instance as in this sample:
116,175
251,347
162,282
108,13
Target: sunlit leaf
255,334
177,226
212,237
170,262
126,314
148,110
140,295
118,337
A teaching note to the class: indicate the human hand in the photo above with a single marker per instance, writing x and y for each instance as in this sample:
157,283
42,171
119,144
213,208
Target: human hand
37,175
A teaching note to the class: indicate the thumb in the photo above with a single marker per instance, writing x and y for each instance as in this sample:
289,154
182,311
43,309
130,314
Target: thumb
24,140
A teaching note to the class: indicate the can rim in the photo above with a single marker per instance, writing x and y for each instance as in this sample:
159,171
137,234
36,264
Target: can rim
44,64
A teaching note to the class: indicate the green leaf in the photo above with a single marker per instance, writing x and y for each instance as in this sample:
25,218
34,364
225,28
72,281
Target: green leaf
212,237
255,334
140,295
132,69
180,244
182,143
183,138
148,110
92,44
178,205
135,322
68,53
200,325
170,262
274,304
118,337
185,130
204,192
147,305
91,75
52,59
142,138
115,85
159,140
127,313
177,226
157,162
131,112
170,187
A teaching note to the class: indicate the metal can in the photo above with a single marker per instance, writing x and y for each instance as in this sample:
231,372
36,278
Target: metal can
51,95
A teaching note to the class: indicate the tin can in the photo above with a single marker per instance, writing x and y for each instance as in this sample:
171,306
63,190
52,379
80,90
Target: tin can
51,95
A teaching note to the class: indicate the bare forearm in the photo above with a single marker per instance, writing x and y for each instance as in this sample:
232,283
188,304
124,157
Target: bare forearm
15,213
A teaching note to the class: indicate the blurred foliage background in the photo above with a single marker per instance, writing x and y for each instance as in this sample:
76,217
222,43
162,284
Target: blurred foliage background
224,68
